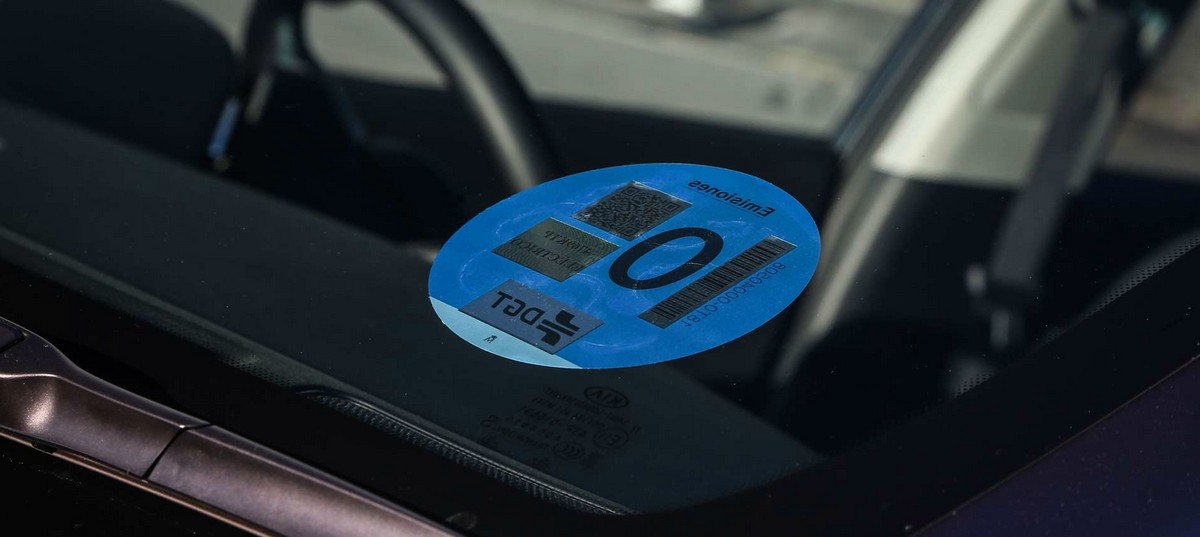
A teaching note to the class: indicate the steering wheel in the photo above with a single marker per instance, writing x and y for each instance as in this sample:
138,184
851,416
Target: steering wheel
475,68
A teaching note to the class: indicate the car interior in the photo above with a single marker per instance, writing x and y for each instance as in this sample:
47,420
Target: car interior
235,230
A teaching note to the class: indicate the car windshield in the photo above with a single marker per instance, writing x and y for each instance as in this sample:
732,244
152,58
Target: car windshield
791,66
628,256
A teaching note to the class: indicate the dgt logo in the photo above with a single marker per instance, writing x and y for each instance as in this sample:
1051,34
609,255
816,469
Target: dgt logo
532,316
552,332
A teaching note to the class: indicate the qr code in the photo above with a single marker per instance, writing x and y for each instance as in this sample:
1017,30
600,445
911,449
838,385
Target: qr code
632,210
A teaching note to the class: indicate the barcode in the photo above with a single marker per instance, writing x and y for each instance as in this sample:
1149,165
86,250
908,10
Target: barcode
716,282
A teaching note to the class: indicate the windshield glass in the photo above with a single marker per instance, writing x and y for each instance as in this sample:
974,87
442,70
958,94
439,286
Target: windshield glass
411,215
794,66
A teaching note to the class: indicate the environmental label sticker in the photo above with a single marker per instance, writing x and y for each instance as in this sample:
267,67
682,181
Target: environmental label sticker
625,266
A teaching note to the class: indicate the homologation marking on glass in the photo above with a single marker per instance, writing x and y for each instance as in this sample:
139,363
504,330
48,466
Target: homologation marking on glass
558,428
623,267
555,249
632,210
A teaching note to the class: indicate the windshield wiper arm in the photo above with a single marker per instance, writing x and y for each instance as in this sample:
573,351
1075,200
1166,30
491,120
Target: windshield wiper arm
49,402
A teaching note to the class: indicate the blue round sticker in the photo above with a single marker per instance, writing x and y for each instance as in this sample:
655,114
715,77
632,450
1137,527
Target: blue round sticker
625,266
